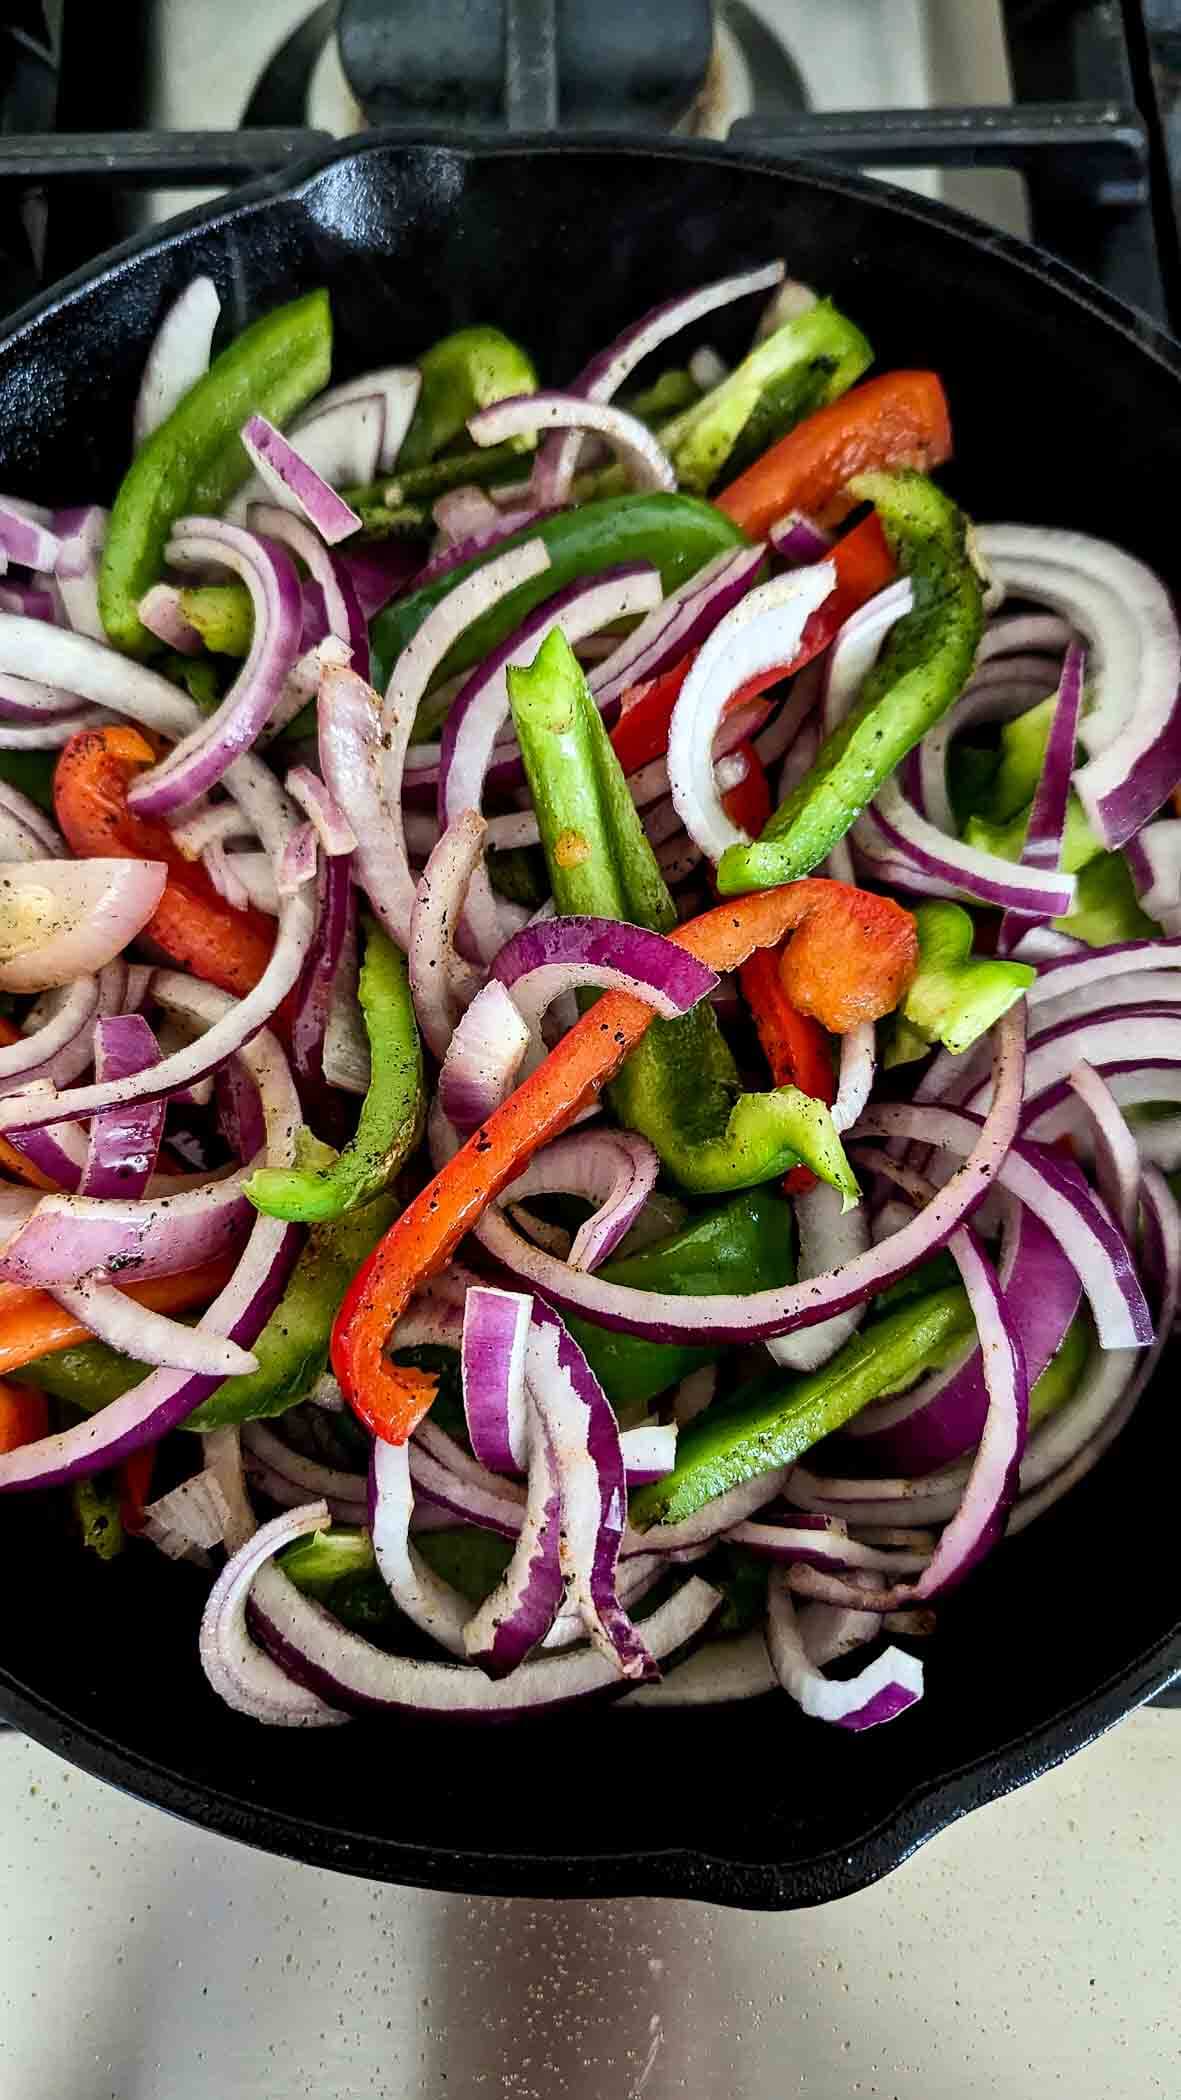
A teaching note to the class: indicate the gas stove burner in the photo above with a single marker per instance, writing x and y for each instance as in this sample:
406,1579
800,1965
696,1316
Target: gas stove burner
686,68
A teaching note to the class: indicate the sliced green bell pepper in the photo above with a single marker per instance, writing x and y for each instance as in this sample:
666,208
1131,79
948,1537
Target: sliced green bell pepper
776,1418
922,669
464,372
1105,906
678,534
96,1511
680,1087
32,773
391,1119
194,461
1007,840
813,358
1061,1375
747,1244
405,496
957,997
292,1349
221,614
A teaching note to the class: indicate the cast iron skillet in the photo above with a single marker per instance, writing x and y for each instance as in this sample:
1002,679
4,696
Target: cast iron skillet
1067,408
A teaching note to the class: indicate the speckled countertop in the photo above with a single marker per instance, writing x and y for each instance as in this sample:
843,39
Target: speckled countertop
1029,1951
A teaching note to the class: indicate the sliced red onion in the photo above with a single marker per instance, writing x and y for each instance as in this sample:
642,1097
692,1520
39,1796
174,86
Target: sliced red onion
614,1169
287,1477
111,1239
1132,728
82,533
339,613
239,1672
933,863
160,612
1061,1201
223,1459
718,1674
332,828
880,1692
205,754
75,1016
298,861
552,956
378,572
189,1520
62,918
694,1394
1089,966
509,524
583,1439
943,1416
124,1143
649,1451
441,982
1128,1039
1046,828
798,540
428,1601
855,1081
235,1025
482,1059
760,1315
829,1238
146,1413
28,827
1117,1160
245,879
25,537
293,481
639,453
313,1646
314,992
682,622
178,358
799,1545
39,600
481,709
602,378
762,632
347,1062
363,742
151,1337
397,387
517,1615
495,1334
459,513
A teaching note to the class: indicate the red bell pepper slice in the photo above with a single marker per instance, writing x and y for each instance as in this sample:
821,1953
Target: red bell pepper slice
795,1046
898,420
196,927
391,1400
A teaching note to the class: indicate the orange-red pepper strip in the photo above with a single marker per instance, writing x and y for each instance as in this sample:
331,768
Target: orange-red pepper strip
24,1416
390,1400
794,1045
213,939
900,419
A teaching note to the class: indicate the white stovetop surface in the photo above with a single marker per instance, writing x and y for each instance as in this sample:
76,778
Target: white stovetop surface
1027,1952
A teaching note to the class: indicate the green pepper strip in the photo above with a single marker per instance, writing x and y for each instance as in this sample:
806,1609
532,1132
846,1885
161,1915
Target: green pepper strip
680,1087
195,460
292,1349
812,359
677,534
921,670
464,372
776,1418
391,1119
744,1245
956,997
96,1509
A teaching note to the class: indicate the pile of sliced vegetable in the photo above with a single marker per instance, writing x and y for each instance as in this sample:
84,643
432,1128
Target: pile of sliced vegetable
591,1013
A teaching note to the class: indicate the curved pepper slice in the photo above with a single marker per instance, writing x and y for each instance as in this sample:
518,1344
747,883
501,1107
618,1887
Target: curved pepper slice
195,461
196,927
898,420
391,1400
391,1118
926,662
464,372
